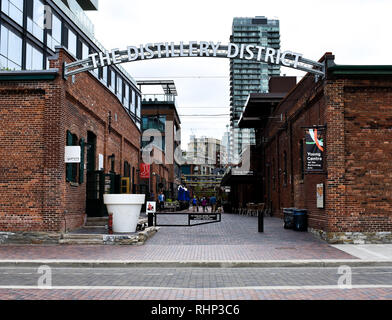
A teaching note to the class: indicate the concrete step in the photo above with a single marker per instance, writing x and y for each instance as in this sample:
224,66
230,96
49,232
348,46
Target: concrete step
97,222
102,222
77,241
71,236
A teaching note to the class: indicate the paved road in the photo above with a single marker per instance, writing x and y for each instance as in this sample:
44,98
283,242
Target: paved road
236,238
194,283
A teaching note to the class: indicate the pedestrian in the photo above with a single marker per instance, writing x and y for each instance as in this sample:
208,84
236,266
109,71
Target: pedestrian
161,201
213,204
195,204
204,204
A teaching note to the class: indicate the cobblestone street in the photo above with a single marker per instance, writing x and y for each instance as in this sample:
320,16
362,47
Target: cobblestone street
236,238
196,284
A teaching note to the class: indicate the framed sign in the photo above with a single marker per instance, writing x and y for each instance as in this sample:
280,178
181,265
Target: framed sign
320,196
73,154
151,207
203,217
315,148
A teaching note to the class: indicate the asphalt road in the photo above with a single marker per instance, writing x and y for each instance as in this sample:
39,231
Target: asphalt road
193,278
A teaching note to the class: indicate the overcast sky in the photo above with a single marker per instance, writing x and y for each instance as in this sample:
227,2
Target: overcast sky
356,31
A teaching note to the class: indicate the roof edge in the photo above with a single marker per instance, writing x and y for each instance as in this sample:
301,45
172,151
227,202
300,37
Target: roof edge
27,75
350,70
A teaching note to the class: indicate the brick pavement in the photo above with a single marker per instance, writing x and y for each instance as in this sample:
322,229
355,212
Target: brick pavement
198,294
234,239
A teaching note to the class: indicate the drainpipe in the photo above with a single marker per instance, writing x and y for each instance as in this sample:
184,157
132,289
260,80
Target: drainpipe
278,167
291,162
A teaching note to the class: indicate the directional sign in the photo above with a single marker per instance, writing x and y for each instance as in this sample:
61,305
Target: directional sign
203,217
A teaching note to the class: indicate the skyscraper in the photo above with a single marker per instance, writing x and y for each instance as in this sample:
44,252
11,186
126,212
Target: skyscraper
248,77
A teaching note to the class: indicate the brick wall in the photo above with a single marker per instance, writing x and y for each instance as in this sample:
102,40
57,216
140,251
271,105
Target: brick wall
34,119
303,107
357,112
359,155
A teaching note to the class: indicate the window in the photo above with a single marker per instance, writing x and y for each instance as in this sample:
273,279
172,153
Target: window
127,169
157,123
133,108
112,161
119,88
13,9
35,19
112,85
105,75
34,58
126,97
54,34
75,170
138,106
10,50
71,168
72,42
85,51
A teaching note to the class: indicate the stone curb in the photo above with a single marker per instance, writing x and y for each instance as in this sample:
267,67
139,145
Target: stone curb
194,264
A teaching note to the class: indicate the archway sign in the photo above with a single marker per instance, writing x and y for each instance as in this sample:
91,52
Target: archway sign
196,49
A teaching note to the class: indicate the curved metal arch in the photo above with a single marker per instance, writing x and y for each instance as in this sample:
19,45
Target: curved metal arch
166,51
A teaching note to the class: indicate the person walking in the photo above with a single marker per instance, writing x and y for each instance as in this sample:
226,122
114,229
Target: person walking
204,204
213,204
161,201
195,204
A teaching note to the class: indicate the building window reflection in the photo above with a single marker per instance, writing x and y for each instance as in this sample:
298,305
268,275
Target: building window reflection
54,33
72,42
13,9
10,50
35,19
34,58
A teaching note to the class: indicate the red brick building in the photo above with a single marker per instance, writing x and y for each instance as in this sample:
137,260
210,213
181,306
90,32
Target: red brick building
352,110
40,114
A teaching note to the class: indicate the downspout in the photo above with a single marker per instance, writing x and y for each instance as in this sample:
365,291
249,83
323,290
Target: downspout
278,167
291,163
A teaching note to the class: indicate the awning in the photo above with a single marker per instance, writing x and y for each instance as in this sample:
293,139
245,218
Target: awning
238,176
258,108
168,86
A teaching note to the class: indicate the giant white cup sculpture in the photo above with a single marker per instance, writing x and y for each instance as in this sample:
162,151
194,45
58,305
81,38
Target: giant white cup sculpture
125,209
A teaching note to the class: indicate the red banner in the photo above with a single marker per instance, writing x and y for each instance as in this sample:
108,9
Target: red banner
144,171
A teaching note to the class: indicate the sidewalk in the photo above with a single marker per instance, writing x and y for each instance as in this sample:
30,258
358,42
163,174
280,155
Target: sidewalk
233,242
376,252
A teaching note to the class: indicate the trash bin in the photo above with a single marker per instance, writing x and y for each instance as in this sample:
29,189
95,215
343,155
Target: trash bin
288,218
300,220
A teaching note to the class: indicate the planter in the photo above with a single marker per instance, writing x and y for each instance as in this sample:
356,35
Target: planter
125,209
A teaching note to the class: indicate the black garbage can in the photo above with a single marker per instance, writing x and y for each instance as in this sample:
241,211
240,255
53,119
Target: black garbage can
288,218
300,220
